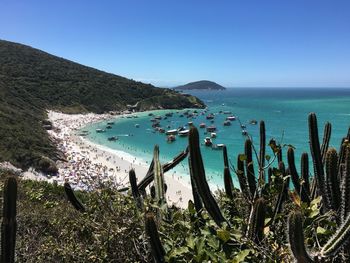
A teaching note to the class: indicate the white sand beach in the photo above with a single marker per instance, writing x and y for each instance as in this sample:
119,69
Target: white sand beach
90,164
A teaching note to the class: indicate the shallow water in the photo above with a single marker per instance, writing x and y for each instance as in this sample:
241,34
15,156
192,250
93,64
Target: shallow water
284,111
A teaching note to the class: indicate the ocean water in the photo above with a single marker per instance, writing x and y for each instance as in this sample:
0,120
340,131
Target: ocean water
284,111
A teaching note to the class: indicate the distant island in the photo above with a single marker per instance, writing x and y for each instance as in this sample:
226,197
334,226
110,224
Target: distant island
201,85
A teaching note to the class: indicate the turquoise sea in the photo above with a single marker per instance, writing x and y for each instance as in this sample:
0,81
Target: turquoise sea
284,111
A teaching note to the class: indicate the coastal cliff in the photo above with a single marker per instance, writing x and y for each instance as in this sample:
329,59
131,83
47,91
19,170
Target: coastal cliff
33,81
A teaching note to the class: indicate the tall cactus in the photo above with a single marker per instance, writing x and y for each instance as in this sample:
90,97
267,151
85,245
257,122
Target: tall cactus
333,190
262,152
296,238
157,249
225,156
304,172
159,182
228,183
295,177
242,179
196,197
317,159
134,189
72,198
166,167
9,223
256,221
197,168
326,138
249,166
345,186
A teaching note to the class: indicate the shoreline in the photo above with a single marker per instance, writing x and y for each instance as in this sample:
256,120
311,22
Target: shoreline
89,162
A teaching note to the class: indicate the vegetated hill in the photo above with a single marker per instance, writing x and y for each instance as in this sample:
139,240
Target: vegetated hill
201,85
32,81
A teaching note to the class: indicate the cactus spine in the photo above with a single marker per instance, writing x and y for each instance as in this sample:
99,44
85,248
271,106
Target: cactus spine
157,249
249,165
296,238
72,198
256,221
197,168
9,223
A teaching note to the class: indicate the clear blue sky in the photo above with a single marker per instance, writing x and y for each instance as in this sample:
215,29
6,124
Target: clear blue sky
233,42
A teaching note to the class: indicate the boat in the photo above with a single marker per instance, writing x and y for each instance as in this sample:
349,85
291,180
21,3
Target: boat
207,141
161,130
150,114
181,115
244,132
171,132
243,126
137,125
109,127
210,116
110,123
231,118
227,112
227,123
202,125
155,124
100,130
184,133
113,138
171,138
253,122
154,120
218,146
211,128
169,114
213,135
190,123
158,117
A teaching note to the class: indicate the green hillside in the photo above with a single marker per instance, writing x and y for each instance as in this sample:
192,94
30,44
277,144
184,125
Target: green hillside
32,81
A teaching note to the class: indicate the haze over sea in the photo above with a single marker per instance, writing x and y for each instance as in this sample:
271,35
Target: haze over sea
284,111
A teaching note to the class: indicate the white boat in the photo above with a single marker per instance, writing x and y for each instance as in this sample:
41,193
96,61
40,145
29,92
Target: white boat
171,138
171,132
99,130
213,135
218,146
184,133
231,118
227,123
202,125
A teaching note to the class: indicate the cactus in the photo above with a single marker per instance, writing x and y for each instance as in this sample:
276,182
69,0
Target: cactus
224,152
157,249
283,193
256,221
228,183
166,167
269,175
196,197
345,186
72,198
304,172
338,240
134,189
333,189
262,152
295,177
326,137
249,165
296,238
242,179
197,169
279,154
317,159
159,183
9,223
